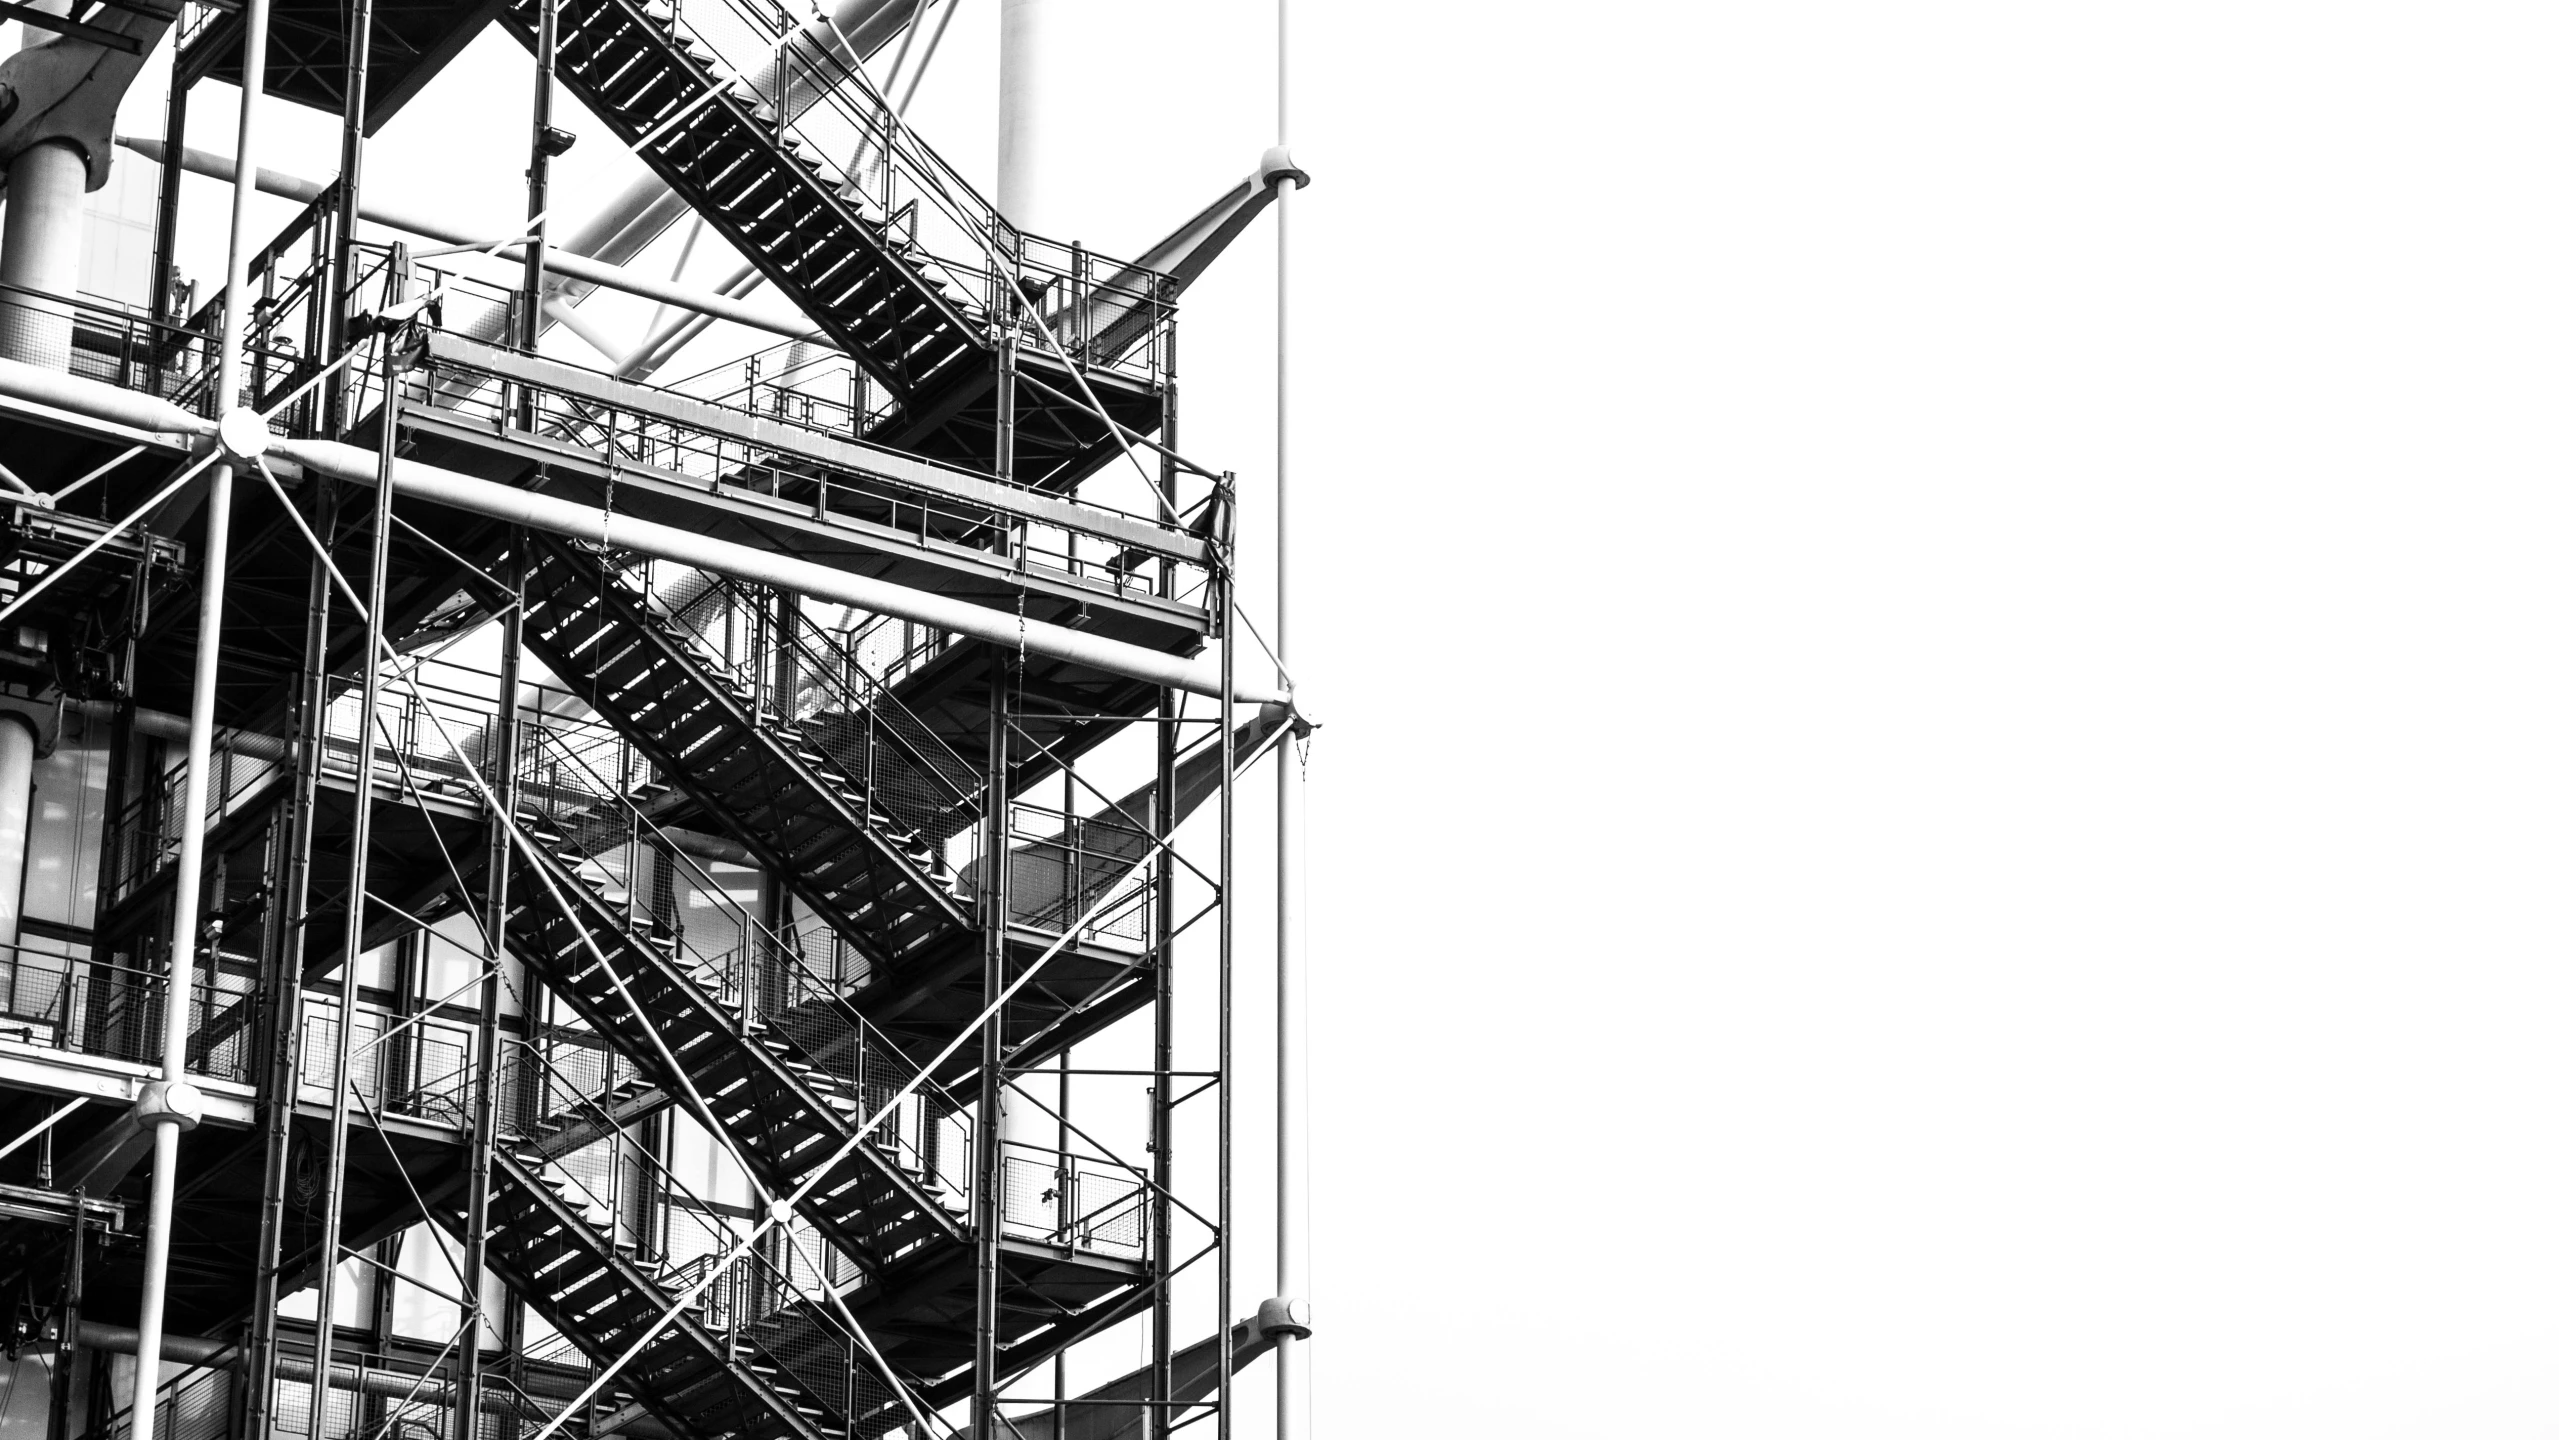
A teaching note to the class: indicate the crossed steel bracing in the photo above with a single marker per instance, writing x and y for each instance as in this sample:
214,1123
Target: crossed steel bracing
720,955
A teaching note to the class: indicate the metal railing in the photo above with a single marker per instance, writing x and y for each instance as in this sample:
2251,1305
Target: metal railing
802,677
418,1067
760,977
191,1405
1067,871
96,1007
724,464
1081,1201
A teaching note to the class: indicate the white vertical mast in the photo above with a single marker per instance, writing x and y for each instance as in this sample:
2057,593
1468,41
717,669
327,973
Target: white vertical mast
1290,1241
1023,128
170,1105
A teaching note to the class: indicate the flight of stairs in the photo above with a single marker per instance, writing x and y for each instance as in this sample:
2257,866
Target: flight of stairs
605,1294
832,250
876,879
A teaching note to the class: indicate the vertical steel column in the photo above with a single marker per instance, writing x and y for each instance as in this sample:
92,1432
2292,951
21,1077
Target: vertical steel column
1226,967
168,1104
989,1180
359,847
1288,1232
164,227
281,986
66,1319
340,271
484,1096
1022,174
537,183
993,913
1168,744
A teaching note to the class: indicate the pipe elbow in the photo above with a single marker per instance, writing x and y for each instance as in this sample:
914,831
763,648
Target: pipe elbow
1277,165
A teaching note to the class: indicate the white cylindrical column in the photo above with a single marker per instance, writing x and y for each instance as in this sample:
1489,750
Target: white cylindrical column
17,808
40,251
1295,1411
1022,128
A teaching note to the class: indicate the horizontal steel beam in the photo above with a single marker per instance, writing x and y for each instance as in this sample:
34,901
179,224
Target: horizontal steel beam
1198,674
64,25
835,541
889,467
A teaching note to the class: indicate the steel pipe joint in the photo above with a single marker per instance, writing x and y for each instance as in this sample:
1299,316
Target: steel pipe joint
242,433
1293,1318
170,1102
1277,165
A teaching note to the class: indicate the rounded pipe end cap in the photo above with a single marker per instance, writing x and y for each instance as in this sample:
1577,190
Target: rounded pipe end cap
170,1102
1277,166
1293,1318
242,433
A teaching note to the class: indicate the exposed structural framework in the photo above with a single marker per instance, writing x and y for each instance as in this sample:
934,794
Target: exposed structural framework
653,905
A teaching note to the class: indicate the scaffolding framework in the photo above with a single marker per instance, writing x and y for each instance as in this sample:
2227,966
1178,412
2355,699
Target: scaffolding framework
625,993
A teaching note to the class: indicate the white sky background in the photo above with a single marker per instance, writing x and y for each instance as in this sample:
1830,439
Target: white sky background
1934,625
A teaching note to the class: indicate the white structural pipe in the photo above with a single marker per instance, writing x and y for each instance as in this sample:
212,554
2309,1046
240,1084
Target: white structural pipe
1023,128
169,1105
40,251
667,542
1295,1413
199,1350
99,401
1020,132
787,323
17,805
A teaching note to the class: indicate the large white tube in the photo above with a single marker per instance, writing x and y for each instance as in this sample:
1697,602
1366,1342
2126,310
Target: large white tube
17,806
83,396
1023,128
1295,1412
40,251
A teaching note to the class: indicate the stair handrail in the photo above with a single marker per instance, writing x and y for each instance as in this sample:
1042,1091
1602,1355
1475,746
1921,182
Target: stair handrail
735,967
778,1288
832,85
836,670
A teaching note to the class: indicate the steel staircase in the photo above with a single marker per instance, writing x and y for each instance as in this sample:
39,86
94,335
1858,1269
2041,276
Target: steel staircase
789,1092
604,1294
788,1115
832,203
879,881
835,253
